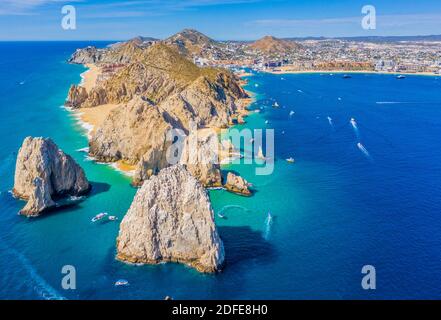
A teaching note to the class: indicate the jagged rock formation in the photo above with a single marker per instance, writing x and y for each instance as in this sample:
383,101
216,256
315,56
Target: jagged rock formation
124,52
200,155
133,132
76,96
87,55
171,220
237,184
43,172
271,45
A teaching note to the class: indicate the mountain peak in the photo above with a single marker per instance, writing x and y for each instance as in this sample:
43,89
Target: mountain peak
272,45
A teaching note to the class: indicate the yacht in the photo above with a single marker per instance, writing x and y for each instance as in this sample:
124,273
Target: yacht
99,216
121,282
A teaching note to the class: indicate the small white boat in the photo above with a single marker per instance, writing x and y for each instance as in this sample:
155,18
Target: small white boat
290,160
269,218
121,283
221,216
291,113
260,154
266,122
113,218
401,77
99,216
256,85
275,105
353,122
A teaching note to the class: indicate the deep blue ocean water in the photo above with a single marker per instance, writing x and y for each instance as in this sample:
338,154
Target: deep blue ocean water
335,210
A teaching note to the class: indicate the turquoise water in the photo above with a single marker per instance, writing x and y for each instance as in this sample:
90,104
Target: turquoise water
334,210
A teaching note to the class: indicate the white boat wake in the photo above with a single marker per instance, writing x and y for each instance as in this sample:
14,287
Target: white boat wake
37,283
268,225
364,150
355,127
330,121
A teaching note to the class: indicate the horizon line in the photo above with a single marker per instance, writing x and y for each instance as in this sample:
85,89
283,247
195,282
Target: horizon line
248,40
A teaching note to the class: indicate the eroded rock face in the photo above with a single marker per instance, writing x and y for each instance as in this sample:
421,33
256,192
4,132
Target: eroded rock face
76,97
237,184
131,132
44,171
87,55
171,220
200,155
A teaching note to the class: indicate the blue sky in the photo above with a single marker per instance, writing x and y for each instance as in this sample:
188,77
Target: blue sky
220,19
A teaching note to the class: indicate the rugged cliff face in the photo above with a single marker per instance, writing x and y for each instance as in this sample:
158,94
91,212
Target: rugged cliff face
44,171
76,97
124,53
171,220
129,132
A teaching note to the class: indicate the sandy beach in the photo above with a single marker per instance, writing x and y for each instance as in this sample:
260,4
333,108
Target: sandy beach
288,71
90,77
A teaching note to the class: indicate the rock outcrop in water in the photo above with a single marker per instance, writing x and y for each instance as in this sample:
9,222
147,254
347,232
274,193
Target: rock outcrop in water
43,172
171,220
76,97
237,184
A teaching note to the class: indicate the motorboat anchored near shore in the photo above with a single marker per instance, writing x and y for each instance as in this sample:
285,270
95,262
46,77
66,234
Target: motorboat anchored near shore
99,216
399,77
121,283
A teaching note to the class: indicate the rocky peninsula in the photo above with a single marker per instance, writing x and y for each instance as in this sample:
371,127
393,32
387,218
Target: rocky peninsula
43,173
171,220
153,89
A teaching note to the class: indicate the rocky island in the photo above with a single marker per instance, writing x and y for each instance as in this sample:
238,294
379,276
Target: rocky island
237,184
171,220
44,172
